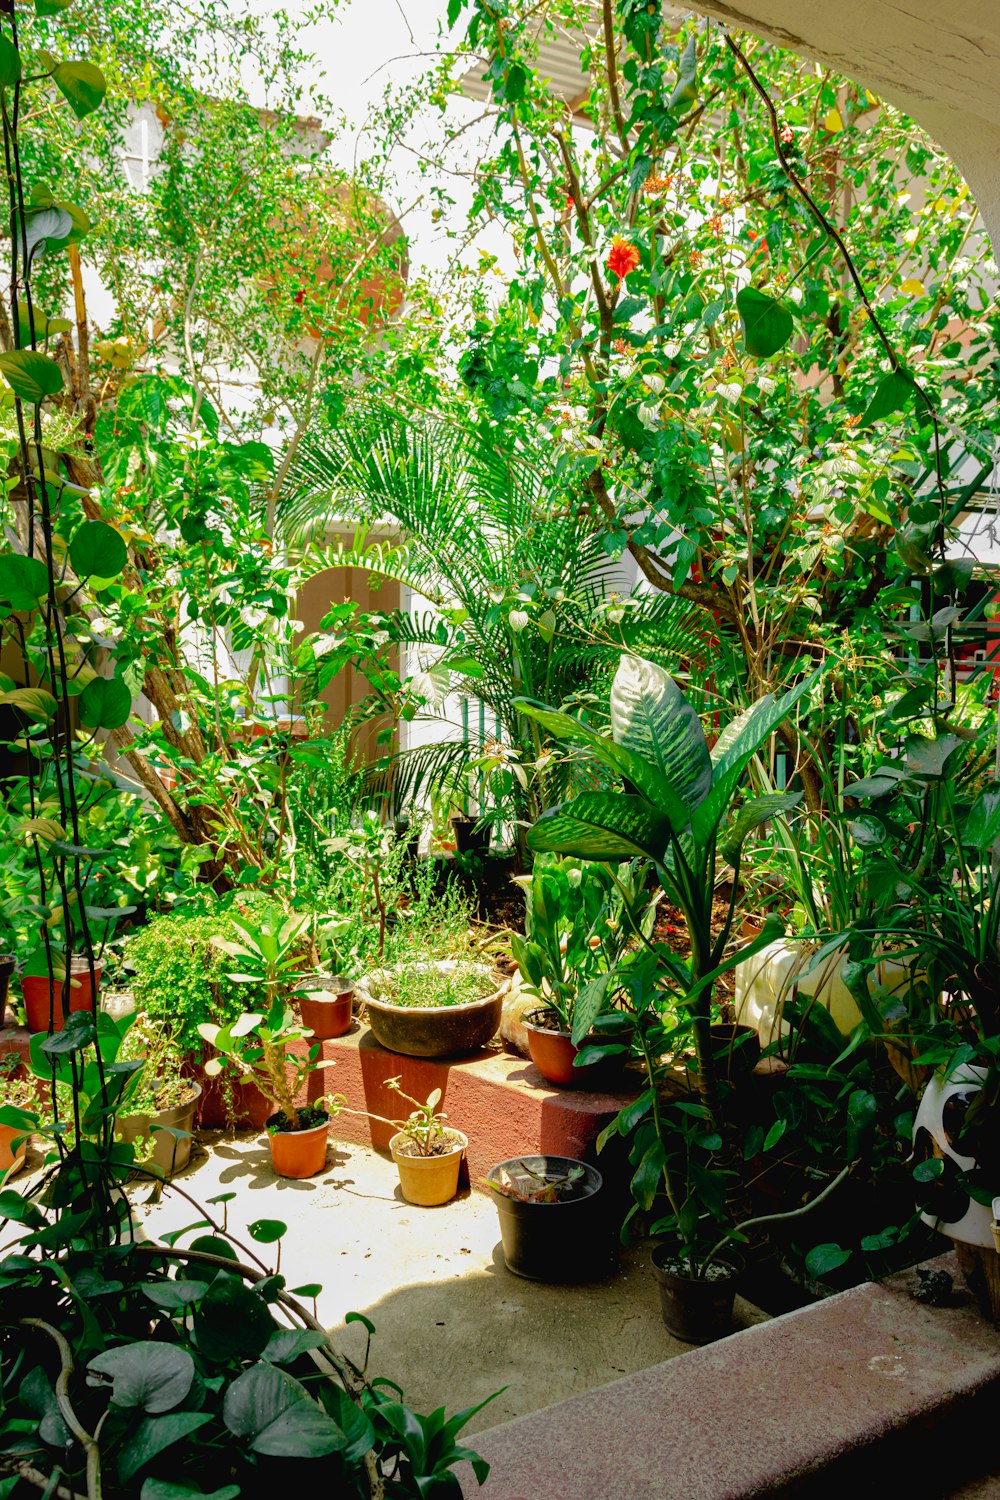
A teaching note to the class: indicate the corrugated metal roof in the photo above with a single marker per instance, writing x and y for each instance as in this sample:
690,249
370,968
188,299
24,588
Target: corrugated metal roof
559,57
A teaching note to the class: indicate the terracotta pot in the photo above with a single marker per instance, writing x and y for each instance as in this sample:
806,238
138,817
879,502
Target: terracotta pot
43,996
695,1310
554,1055
248,1107
298,1153
327,1008
432,1030
429,1180
170,1153
9,1162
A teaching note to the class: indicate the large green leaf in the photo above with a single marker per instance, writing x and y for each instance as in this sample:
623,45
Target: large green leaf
767,323
10,62
651,718
982,826
276,1415
81,84
232,1321
153,1435
166,1489
147,1374
602,825
590,1002
105,703
97,551
618,758
751,816
755,728
891,395
23,580
30,375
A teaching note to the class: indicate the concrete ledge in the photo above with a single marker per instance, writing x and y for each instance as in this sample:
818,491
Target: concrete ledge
801,1405
501,1102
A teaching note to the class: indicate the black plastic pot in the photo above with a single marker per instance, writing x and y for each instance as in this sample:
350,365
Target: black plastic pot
695,1310
569,1240
469,839
8,963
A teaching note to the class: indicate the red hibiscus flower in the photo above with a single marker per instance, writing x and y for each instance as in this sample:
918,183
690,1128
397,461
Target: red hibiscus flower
623,258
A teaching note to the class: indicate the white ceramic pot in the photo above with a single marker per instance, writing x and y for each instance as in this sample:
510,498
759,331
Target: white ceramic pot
786,967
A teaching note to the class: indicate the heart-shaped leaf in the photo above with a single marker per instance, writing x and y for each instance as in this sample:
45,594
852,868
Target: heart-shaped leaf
97,551
276,1415
152,1435
165,1489
30,375
82,84
10,62
891,395
232,1322
767,323
146,1374
105,703
23,580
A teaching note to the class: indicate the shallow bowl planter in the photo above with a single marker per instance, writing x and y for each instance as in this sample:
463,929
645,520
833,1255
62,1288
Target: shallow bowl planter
170,1153
43,996
565,1241
695,1309
429,1180
431,1030
298,1153
327,1006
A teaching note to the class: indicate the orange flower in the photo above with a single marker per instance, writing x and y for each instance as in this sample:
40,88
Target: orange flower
622,258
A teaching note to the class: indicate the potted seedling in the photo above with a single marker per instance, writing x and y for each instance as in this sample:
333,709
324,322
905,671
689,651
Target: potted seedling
427,1152
326,999
18,1113
579,920
158,1116
553,1224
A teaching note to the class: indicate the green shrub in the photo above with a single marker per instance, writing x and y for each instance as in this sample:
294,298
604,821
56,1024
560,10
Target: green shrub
181,978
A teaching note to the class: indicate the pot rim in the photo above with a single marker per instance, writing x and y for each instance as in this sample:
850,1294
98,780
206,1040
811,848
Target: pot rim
431,1160
172,1109
733,1263
338,989
307,1130
365,995
592,1188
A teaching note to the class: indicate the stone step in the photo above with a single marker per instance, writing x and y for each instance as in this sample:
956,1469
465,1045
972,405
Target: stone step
499,1100
869,1389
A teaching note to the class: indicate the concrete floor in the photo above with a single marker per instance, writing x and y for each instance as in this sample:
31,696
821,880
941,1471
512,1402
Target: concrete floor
453,1325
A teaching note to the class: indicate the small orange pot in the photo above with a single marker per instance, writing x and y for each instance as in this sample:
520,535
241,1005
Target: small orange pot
9,1162
327,1013
298,1153
43,996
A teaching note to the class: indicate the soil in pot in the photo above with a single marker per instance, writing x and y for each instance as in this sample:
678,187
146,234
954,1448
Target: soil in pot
302,1152
566,1239
443,1009
554,1055
327,1007
169,1153
429,1180
696,1310
42,994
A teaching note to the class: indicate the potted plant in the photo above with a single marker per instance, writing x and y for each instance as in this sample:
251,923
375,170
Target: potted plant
326,1000
157,1118
43,988
8,963
427,1153
18,1113
580,917
433,1008
554,1225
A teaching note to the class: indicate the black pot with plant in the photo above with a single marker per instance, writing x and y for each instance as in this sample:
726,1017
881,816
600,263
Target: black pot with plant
8,963
554,1222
